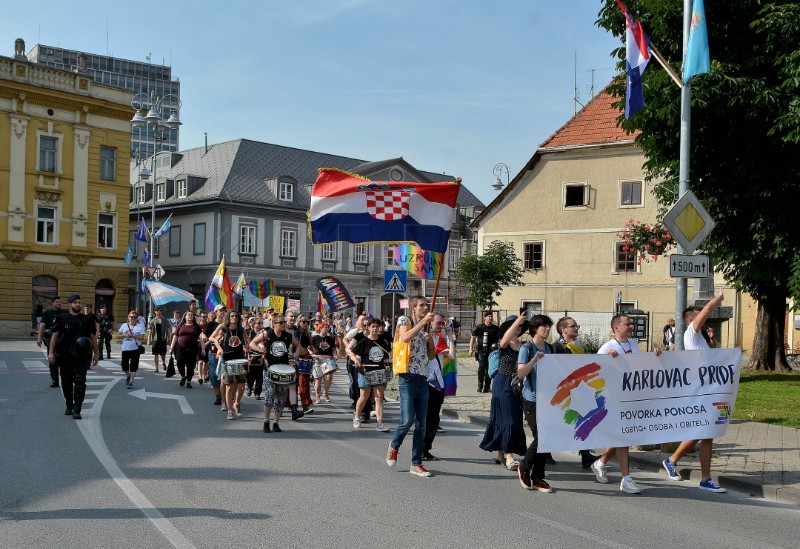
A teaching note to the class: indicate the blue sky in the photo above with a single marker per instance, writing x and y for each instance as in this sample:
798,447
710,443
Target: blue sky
452,86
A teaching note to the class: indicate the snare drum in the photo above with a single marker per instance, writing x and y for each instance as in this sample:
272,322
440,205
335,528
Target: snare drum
235,367
376,377
281,374
305,365
328,365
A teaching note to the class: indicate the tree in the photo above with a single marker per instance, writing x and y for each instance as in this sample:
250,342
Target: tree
745,161
486,275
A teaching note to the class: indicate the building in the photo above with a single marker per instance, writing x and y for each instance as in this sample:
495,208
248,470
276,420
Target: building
64,189
248,201
563,213
134,76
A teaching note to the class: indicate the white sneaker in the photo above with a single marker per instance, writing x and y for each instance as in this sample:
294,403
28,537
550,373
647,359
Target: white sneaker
599,470
629,486
356,422
382,428
373,413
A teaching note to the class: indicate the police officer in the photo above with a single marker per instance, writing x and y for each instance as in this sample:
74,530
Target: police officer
74,347
106,322
45,330
483,337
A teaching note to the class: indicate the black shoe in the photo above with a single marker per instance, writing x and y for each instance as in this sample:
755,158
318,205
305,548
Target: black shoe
200,381
487,390
296,414
248,391
54,383
188,384
218,400
587,458
550,460
76,414
427,456
266,428
101,357
276,428
480,389
68,411
183,381
206,379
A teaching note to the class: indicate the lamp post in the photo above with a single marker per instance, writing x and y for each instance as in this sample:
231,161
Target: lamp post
157,108
498,170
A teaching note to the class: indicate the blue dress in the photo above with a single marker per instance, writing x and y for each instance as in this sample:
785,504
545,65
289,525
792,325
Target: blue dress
505,431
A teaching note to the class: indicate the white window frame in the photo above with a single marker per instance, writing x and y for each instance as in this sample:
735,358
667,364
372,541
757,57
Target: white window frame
247,239
161,191
47,221
108,165
108,230
533,306
586,193
390,262
183,188
622,183
155,247
289,243
456,253
285,191
141,194
56,153
524,262
360,254
615,265
328,252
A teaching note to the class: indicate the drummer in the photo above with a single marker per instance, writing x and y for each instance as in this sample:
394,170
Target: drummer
369,355
275,343
255,365
230,338
304,352
324,344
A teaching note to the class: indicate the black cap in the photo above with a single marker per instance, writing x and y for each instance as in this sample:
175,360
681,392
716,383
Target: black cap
57,297
73,297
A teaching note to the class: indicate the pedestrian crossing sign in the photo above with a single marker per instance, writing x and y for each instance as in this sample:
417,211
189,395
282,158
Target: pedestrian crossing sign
394,281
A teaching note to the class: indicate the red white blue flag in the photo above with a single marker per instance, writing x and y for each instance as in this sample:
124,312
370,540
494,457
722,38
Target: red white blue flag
637,55
347,208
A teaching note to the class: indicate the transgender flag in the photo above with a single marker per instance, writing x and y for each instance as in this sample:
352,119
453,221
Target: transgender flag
346,208
637,55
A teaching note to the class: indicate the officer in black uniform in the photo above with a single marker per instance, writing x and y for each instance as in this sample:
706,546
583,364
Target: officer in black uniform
106,322
45,330
484,336
74,347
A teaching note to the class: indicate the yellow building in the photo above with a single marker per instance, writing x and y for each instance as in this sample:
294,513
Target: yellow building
64,190
563,213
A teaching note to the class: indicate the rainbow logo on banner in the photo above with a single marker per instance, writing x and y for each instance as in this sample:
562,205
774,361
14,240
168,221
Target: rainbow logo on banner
724,412
417,261
579,395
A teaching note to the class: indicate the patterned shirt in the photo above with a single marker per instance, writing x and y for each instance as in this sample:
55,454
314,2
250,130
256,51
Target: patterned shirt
418,363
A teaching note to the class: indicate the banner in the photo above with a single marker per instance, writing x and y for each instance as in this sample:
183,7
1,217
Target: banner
596,401
417,261
335,294
293,303
251,300
276,302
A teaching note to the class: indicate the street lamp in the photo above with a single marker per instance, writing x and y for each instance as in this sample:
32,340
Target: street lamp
498,170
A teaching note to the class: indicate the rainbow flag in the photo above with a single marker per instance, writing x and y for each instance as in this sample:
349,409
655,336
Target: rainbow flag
219,292
270,286
450,375
258,289
417,261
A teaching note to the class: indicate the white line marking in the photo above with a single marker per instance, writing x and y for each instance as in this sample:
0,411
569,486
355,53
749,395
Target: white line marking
35,365
93,392
182,402
3,365
93,433
85,400
574,531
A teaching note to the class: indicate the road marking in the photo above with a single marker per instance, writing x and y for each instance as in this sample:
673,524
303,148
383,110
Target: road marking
3,365
35,365
93,433
184,404
574,531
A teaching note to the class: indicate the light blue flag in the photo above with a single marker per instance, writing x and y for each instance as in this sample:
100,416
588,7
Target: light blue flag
698,60
128,255
164,228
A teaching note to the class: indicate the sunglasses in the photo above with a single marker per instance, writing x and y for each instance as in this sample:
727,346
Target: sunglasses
279,322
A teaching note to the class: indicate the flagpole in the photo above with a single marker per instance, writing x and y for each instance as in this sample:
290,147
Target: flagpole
663,62
441,270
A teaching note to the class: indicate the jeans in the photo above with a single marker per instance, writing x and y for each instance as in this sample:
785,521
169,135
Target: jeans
212,369
413,391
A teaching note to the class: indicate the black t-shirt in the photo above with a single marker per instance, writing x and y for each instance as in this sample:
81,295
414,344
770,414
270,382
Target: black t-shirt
106,323
49,317
209,330
278,347
68,328
232,343
486,336
323,345
373,354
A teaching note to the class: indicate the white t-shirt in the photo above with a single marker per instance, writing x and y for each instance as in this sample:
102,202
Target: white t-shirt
628,347
130,344
693,340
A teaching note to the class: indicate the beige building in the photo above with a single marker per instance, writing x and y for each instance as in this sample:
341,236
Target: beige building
563,213
64,190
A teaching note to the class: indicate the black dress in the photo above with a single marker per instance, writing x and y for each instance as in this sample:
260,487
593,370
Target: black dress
505,431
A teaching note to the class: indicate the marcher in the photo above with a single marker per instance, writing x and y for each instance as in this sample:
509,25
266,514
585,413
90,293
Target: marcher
324,345
45,331
622,327
695,319
231,340
158,335
215,318
369,356
304,352
444,342
484,337
413,386
255,364
74,347
668,339
106,322
132,334
185,345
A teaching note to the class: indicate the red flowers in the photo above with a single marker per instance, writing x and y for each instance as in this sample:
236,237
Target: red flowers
647,241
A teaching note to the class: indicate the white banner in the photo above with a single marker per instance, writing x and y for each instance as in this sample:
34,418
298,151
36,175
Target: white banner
596,401
250,300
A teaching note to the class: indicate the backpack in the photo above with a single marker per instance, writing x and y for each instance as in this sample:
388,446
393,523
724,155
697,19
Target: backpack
494,363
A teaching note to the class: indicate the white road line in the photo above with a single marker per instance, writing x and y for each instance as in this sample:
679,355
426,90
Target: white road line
93,433
3,365
85,400
573,531
35,365
93,392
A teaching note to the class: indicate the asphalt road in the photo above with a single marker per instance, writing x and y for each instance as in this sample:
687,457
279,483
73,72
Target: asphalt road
142,473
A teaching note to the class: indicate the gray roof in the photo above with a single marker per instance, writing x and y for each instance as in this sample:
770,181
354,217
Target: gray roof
236,171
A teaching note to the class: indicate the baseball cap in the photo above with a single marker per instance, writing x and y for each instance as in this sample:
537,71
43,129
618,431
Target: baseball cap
73,297
219,308
55,298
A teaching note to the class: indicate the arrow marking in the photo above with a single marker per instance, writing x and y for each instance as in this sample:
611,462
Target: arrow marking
184,404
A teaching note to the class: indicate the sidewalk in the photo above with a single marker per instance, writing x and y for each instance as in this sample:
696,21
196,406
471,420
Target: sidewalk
756,458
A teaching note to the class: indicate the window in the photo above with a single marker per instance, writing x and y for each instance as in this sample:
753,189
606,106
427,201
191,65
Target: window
623,261
183,188
533,255
288,243
390,262
329,252
161,191
455,258
199,239
630,193
140,195
108,163
533,308
48,147
175,240
285,191
105,231
360,253
576,195
155,247
45,225
247,239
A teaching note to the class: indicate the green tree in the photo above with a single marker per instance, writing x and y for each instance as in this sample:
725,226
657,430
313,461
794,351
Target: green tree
745,162
485,275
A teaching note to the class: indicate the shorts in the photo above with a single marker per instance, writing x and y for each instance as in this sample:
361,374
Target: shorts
159,348
228,379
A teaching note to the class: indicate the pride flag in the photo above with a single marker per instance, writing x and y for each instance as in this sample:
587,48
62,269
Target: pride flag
219,292
258,289
417,261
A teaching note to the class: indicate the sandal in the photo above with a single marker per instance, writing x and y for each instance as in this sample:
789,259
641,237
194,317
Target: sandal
512,465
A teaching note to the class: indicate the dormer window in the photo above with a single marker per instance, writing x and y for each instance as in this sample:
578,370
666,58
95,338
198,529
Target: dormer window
285,191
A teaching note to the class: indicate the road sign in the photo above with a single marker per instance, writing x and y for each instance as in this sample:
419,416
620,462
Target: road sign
159,272
394,281
689,222
688,266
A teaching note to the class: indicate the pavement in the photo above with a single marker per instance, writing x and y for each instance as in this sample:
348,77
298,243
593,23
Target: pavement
759,459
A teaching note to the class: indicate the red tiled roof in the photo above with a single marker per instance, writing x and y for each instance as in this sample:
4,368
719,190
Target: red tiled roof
594,124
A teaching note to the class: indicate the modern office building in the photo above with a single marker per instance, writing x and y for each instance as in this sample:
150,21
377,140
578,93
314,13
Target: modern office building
135,76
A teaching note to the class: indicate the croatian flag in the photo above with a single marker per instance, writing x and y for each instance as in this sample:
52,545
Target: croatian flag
637,55
347,208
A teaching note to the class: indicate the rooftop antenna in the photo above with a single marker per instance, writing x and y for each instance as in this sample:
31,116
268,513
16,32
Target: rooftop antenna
576,93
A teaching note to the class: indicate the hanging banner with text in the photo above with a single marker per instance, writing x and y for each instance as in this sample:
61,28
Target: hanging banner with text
597,401
335,294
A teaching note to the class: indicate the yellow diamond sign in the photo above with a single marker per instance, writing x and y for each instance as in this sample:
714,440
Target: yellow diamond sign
689,222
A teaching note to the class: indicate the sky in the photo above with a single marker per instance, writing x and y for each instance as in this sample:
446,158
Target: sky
452,86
